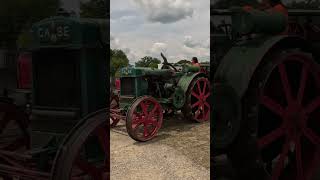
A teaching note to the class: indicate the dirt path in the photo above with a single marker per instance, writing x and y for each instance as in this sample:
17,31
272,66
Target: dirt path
180,151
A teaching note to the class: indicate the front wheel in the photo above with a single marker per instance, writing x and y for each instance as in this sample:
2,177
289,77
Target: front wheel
144,118
84,154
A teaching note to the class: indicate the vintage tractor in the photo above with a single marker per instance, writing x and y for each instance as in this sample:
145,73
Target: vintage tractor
147,94
15,101
67,136
266,93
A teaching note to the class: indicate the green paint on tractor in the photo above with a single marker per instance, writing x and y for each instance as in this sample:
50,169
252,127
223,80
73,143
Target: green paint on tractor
148,94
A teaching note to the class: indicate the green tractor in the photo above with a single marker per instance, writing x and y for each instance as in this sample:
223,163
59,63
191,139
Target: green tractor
266,93
65,136
147,94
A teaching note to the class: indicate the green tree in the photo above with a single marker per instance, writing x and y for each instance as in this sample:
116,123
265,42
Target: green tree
17,16
93,9
148,61
118,60
184,61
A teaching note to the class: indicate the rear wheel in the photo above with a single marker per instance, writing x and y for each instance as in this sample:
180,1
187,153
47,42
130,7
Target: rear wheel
282,131
197,106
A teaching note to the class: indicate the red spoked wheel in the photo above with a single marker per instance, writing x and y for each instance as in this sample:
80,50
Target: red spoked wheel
114,105
84,154
14,134
197,106
144,118
288,118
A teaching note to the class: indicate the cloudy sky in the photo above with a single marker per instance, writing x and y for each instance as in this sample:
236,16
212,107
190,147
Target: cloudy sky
178,28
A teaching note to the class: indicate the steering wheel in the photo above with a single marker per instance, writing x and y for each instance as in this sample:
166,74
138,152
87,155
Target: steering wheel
167,65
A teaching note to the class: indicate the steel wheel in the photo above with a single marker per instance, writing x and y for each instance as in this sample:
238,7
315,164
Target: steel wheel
114,105
280,133
197,106
144,118
85,152
14,124
289,127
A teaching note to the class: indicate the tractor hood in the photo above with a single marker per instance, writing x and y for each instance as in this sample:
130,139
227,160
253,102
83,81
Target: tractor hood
142,71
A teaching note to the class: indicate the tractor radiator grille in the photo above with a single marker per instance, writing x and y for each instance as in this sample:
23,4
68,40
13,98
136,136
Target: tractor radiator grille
56,79
127,86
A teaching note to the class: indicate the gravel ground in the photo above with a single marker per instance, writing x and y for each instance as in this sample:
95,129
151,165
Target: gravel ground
180,151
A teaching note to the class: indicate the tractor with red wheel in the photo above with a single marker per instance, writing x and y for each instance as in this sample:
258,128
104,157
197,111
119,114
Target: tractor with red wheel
266,93
66,135
15,101
147,94
114,99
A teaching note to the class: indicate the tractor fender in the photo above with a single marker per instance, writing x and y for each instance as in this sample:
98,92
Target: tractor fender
186,80
239,64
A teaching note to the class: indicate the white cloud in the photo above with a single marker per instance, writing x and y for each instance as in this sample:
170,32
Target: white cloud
132,30
189,42
165,11
158,47
114,42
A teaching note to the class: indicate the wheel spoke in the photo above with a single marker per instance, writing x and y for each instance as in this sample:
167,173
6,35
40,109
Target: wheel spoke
151,113
204,88
304,75
206,96
199,88
315,139
299,160
313,106
271,137
137,120
196,104
272,105
153,122
285,82
145,130
144,108
280,163
195,95
198,112
207,104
